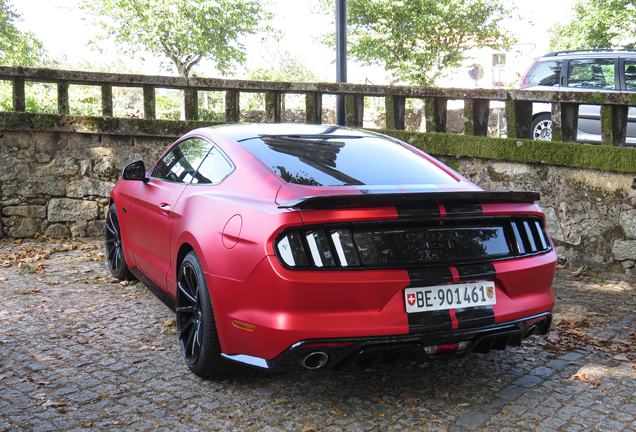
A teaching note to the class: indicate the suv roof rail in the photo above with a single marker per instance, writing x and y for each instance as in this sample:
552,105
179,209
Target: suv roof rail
616,49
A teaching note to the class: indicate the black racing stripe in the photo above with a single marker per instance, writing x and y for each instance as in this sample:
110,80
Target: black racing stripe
476,272
475,316
441,320
481,315
463,209
433,320
425,210
429,276
421,322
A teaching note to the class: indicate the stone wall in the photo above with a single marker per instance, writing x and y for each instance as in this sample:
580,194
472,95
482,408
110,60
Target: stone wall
56,183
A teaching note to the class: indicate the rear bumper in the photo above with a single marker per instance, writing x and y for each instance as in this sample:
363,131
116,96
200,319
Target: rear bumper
338,353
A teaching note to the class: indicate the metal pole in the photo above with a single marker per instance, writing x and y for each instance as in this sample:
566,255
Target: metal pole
341,57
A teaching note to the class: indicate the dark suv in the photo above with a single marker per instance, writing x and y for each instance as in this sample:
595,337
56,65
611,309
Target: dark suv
581,70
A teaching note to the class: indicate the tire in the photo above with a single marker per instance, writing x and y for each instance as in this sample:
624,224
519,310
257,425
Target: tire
196,327
542,127
115,248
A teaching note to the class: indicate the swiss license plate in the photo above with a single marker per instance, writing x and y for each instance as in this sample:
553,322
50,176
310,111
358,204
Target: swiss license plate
455,296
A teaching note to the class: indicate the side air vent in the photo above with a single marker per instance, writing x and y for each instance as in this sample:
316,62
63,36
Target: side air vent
408,244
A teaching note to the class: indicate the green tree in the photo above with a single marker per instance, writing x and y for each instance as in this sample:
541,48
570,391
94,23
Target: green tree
17,48
597,24
183,31
282,66
419,41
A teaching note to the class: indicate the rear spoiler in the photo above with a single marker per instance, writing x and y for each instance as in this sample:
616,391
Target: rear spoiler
392,199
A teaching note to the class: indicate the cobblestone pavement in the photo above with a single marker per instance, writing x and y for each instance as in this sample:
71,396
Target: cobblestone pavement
79,351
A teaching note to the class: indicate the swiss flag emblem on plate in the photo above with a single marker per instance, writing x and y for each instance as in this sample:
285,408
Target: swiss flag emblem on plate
411,299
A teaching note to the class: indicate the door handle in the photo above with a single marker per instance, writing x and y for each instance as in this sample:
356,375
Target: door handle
165,209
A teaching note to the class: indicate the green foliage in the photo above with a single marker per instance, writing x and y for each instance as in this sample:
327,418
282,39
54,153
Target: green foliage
183,31
283,66
597,24
17,48
211,107
419,41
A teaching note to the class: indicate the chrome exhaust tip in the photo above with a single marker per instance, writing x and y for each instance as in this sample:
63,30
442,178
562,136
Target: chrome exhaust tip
314,360
531,330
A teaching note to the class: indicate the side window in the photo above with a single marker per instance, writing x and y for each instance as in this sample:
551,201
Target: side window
591,73
544,73
215,168
630,74
182,161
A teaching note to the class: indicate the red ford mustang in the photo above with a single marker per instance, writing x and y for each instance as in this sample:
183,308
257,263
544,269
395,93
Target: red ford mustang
321,245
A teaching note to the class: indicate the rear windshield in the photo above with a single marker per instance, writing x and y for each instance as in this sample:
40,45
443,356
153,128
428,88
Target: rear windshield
344,160
544,73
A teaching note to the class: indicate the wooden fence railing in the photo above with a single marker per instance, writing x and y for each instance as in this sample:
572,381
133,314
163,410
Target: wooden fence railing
476,101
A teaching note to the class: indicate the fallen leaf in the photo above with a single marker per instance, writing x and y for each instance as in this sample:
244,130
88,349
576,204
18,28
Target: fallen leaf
376,399
336,412
552,347
462,405
411,401
169,323
495,389
444,395
309,428
581,376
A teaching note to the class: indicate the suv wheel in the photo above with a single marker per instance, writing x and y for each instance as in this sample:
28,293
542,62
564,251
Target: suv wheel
542,127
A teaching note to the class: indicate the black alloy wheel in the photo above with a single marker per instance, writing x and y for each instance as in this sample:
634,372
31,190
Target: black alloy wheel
114,246
196,327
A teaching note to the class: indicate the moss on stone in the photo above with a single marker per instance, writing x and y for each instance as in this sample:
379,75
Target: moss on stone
606,125
46,122
17,121
619,159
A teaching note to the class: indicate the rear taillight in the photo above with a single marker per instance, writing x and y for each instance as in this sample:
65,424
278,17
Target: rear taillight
530,236
317,248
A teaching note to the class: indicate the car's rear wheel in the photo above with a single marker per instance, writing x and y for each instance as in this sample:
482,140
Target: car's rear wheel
114,246
196,327
542,127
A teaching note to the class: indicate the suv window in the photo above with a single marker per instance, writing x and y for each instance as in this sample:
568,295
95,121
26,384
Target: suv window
591,73
544,73
182,161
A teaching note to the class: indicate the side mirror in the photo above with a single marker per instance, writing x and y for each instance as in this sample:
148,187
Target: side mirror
135,171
